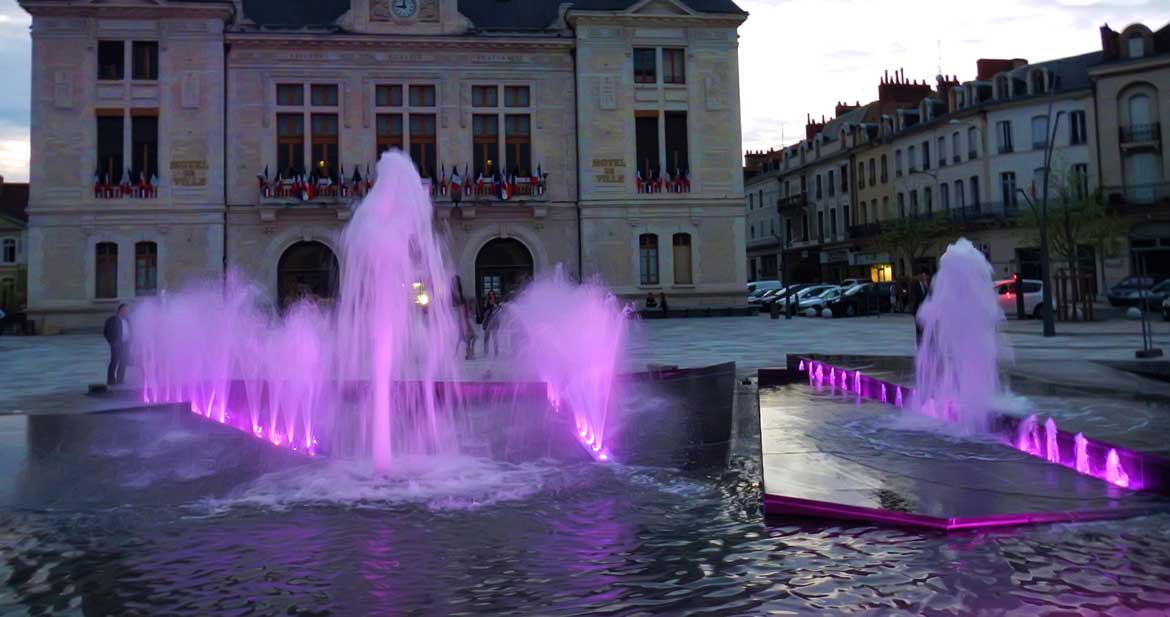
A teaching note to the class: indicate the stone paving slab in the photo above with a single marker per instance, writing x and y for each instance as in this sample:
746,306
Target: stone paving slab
50,373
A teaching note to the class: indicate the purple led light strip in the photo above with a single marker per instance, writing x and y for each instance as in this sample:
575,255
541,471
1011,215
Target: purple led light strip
1117,465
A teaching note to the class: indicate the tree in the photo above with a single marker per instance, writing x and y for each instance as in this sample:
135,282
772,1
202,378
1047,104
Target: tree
913,238
1077,218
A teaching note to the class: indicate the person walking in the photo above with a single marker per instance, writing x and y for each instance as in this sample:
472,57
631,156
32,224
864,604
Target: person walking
919,291
117,333
662,304
491,323
467,336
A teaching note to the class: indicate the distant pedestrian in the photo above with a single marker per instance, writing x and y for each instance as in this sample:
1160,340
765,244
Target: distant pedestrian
467,337
650,301
662,304
117,333
893,297
491,324
919,291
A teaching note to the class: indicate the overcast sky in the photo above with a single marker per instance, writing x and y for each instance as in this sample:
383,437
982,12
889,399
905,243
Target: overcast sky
796,56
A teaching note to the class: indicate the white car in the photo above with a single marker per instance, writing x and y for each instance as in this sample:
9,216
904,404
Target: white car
818,301
757,289
762,295
1005,294
801,295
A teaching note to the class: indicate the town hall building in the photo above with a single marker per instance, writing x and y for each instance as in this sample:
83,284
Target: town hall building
176,141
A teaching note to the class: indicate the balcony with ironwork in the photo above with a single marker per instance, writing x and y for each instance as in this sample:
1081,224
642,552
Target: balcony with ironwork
792,203
1141,134
1140,195
327,192
143,188
865,230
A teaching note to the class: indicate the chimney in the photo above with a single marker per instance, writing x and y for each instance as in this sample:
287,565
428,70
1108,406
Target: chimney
844,108
1110,43
987,68
812,128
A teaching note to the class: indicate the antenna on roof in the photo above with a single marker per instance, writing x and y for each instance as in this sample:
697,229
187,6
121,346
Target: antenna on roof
939,73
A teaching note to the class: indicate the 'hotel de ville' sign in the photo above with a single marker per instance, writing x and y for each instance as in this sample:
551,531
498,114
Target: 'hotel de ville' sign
189,173
609,171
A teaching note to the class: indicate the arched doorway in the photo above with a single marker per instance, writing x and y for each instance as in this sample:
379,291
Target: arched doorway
306,269
503,266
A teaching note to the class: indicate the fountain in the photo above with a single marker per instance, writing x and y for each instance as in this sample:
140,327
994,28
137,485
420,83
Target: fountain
374,378
571,337
825,460
958,367
1051,445
1028,436
1081,447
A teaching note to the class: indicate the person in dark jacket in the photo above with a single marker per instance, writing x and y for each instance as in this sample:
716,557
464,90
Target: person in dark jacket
117,333
919,291
662,304
491,323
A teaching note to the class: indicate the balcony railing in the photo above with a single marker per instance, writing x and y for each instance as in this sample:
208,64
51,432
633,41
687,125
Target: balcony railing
327,190
798,201
143,189
865,230
670,184
1141,133
1137,194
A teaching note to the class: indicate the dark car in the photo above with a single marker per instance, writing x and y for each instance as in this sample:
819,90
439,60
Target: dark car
862,299
1132,289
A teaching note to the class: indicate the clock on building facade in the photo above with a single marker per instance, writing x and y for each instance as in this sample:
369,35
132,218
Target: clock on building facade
398,10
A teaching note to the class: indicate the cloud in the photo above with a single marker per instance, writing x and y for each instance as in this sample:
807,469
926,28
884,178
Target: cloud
798,59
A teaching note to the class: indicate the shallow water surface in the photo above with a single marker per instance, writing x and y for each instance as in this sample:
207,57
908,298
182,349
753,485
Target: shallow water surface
543,537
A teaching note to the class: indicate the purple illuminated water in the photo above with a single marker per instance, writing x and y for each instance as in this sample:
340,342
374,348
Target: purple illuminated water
957,365
1028,436
364,375
1051,446
577,363
1113,470
1081,448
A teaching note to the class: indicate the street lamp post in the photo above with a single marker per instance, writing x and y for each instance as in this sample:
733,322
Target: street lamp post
1045,265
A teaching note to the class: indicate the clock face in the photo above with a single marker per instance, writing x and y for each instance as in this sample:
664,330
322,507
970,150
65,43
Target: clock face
404,8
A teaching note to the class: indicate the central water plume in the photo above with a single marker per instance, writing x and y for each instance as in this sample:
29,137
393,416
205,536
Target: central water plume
957,365
389,334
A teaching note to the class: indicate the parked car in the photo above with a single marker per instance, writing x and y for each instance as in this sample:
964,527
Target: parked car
1005,295
763,295
820,300
803,294
780,295
862,299
759,287
1132,288
847,283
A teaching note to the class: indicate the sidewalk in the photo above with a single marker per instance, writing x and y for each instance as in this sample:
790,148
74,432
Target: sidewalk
47,374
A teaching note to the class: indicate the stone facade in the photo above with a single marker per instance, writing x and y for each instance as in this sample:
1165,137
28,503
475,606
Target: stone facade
220,66
965,158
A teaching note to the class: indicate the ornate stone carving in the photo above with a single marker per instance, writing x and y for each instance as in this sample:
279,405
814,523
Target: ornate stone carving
62,89
715,91
189,90
607,92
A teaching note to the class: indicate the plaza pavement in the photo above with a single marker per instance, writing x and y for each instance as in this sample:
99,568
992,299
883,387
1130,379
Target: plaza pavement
51,373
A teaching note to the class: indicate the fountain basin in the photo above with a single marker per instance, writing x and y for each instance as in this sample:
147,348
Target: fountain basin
672,418
828,451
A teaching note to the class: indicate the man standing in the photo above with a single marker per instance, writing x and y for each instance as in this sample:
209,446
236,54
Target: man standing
117,332
919,290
